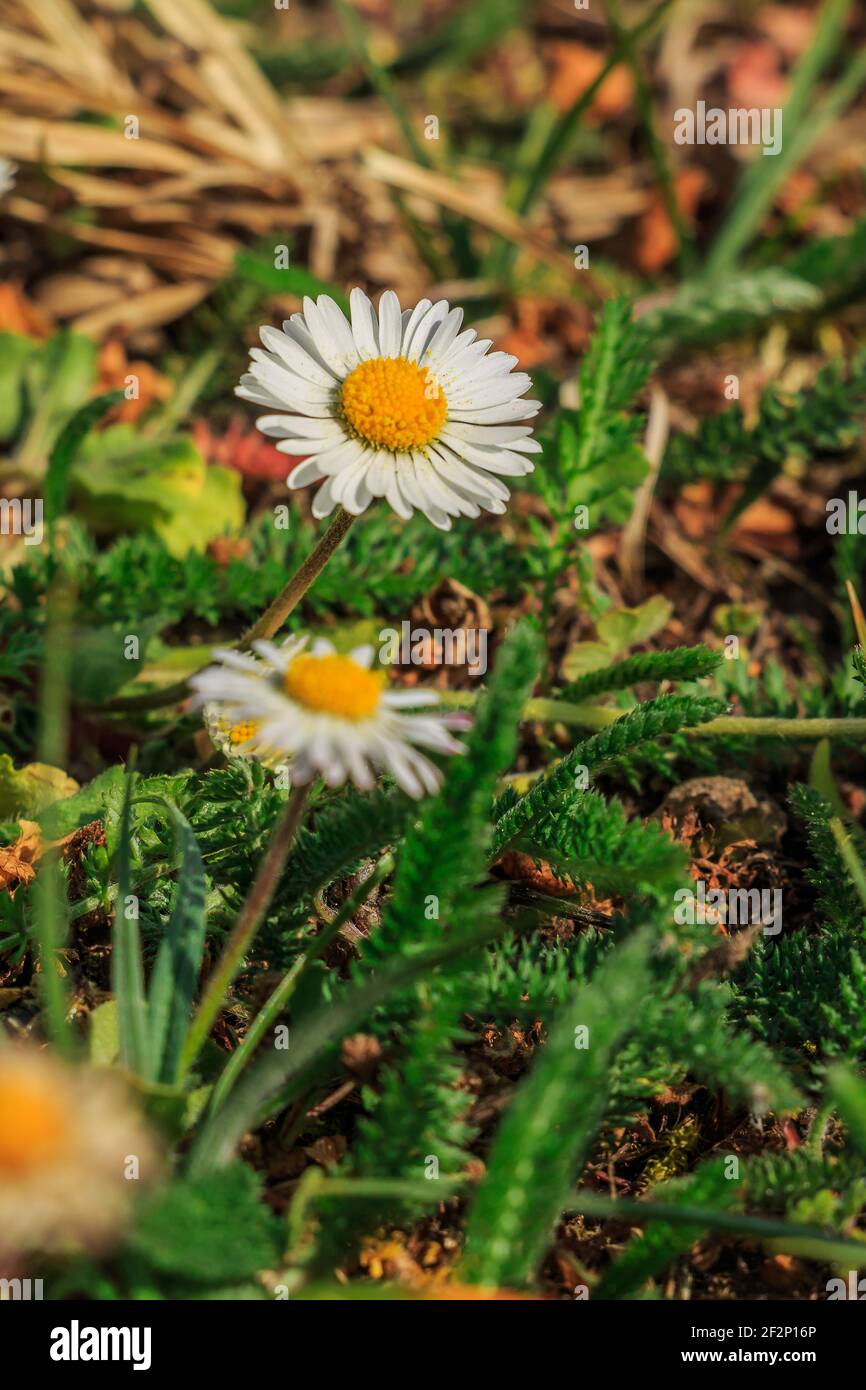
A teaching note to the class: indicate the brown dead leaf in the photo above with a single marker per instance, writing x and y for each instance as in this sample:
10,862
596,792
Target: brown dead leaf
574,68
755,76
770,527
19,315
656,240
116,372
18,860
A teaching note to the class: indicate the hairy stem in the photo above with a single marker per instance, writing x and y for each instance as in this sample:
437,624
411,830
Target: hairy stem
273,618
277,1002
270,621
256,905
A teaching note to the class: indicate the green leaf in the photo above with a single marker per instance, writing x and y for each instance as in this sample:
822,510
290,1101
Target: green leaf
218,511
15,352
103,1034
621,628
123,482
849,1093
66,447
292,280
175,975
27,791
127,976
584,657
546,1134
102,665
209,1230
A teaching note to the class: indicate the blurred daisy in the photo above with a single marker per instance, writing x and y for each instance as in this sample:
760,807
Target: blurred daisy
398,404
70,1145
8,170
320,712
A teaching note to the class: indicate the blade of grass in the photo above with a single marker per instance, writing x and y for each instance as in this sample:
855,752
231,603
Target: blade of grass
761,181
66,447
176,970
380,80
810,1241
250,918
50,897
127,975
278,1001
279,1077
627,45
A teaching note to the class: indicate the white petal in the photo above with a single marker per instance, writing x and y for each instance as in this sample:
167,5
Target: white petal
305,473
380,470
390,325
333,461
442,339
496,414
425,329
394,494
364,325
296,357
324,501
334,344
485,434
411,322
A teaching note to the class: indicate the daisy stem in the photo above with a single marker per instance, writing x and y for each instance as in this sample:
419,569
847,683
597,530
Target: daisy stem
256,905
273,618
276,1004
270,621
597,717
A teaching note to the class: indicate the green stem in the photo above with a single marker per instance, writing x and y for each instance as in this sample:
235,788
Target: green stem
270,621
561,134
850,857
278,1001
597,717
811,1241
273,618
256,905
643,97
763,177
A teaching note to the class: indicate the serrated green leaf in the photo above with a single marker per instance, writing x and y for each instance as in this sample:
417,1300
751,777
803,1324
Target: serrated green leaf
551,1123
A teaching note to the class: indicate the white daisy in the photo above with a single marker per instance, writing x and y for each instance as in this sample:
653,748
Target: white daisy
236,740
8,170
320,712
398,404
70,1141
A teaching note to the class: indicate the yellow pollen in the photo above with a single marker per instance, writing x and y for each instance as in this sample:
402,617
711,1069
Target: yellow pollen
394,403
242,733
33,1124
334,685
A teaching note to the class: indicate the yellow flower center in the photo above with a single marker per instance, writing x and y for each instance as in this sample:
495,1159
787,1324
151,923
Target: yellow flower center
393,403
242,733
334,685
33,1124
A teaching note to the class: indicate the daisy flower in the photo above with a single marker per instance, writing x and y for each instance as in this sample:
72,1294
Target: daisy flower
399,404
321,712
234,740
70,1143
